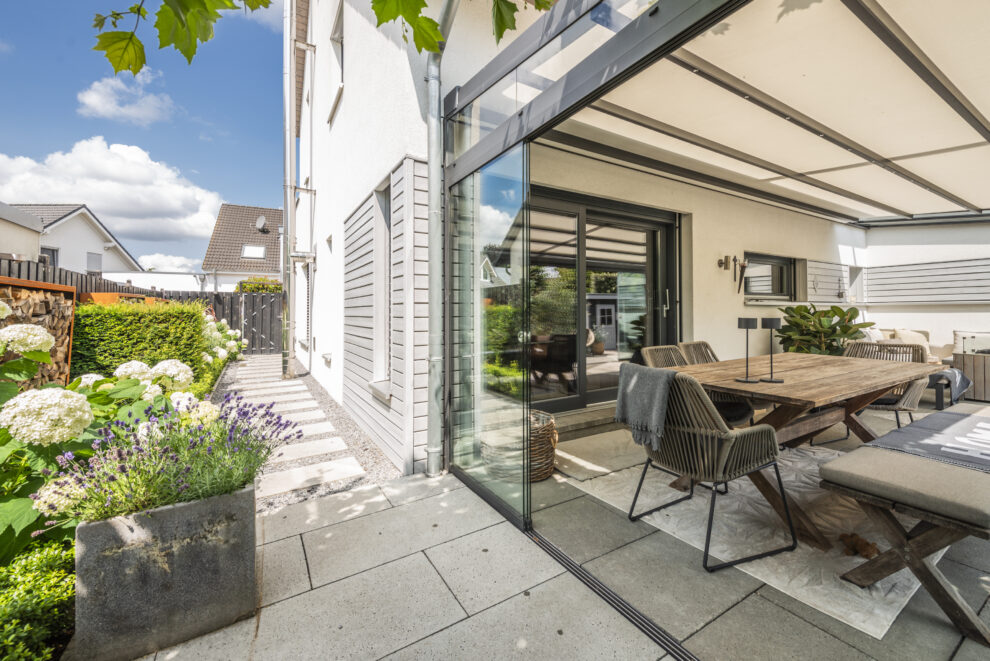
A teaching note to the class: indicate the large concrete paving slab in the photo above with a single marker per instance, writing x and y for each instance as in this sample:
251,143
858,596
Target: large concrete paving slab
359,544
264,392
552,491
279,399
265,383
584,529
306,449
559,619
680,596
316,429
305,416
491,565
970,650
757,629
320,512
278,482
229,643
295,406
361,617
281,570
416,487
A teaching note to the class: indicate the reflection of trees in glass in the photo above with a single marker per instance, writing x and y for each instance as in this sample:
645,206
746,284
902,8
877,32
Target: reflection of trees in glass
553,300
601,282
637,338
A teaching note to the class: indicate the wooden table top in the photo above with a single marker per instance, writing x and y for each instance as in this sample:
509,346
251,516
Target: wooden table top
810,380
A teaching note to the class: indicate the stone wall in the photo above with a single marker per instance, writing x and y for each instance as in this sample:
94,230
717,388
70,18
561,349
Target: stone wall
49,306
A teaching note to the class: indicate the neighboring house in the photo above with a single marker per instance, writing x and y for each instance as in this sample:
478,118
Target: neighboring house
164,280
697,150
20,234
73,238
245,244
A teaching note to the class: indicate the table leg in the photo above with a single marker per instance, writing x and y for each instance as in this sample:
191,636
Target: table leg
806,530
781,416
856,404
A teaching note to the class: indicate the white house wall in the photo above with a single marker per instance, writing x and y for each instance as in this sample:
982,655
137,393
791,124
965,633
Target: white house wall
76,236
18,240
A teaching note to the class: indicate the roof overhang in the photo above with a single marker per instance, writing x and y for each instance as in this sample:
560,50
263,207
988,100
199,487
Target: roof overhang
95,222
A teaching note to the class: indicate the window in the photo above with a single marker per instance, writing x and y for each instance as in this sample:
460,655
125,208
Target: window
382,295
768,276
94,263
50,256
253,252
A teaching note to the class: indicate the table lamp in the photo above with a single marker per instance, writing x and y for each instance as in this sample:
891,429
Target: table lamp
747,323
772,323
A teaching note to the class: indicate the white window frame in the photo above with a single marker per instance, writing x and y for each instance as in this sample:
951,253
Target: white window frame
244,255
90,261
53,258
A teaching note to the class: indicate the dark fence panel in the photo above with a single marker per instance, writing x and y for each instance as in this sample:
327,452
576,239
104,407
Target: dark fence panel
257,315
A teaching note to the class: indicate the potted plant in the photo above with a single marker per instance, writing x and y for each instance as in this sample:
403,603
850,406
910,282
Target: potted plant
165,545
807,329
598,345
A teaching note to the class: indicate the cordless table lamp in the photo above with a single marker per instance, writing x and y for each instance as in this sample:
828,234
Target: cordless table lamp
771,323
747,323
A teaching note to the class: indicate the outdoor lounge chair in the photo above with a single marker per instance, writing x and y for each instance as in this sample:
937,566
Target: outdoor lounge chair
697,444
734,410
951,502
904,397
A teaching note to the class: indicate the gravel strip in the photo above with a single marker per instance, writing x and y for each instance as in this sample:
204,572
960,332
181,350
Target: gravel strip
378,469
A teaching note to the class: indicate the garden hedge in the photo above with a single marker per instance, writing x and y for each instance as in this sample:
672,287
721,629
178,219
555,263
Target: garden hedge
105,336
37,597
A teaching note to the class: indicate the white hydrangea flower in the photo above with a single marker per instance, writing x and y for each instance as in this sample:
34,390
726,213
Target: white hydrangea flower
207,358
173,374
134,369
149,431
204,413
209,317
221,353
232,345
58,496
87,380
244,343
47,416
183,401
236,333
151,392
5,310
25,337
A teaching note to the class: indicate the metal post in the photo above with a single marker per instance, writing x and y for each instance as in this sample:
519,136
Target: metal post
289,183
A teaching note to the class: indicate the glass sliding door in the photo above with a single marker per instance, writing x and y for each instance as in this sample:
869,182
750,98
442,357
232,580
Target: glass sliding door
488,359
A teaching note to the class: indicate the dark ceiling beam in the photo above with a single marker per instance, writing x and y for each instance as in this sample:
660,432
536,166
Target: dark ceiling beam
757,97
886,29
556,137
928,220
667,129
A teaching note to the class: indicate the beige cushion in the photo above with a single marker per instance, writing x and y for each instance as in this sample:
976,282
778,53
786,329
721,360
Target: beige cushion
873,335
934,486
914,337
974,340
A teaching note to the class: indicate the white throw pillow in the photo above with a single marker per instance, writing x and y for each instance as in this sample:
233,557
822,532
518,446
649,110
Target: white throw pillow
872,335
913,337
974,340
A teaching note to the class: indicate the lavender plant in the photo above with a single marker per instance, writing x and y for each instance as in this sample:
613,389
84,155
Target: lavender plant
196,451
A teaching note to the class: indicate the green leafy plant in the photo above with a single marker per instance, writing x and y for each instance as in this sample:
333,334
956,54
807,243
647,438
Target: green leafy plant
37,599
260,285
506,379
502,325
106,336
807,329
599,333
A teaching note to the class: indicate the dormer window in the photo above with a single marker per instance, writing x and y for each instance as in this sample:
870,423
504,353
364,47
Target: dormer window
253,252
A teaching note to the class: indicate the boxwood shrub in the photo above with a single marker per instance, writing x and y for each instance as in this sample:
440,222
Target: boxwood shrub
37,601
106,336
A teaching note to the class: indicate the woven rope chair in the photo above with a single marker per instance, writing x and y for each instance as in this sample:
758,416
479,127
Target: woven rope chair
698,352
697,444
664,355
904,397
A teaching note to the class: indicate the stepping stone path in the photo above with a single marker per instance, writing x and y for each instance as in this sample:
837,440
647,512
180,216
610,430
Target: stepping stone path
258,380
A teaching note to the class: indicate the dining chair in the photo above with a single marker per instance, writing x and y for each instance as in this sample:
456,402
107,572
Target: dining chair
697,444
904,397
698,352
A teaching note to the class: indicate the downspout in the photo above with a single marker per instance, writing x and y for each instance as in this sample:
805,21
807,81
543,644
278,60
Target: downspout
289,183
434,131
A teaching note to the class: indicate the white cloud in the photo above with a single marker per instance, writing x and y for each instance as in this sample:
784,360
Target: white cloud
495,224
270,17
6,46
169,263
116,99
134,195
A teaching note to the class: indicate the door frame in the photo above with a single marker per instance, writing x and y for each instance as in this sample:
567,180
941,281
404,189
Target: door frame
662,272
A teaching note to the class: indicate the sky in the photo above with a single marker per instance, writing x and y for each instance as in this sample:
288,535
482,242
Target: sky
153,156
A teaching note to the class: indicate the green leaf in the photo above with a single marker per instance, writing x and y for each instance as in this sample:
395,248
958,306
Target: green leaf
126,389
38,356
122,49
99,21
18,513
8,446
503,17
426,34
19,369
256,4
8,390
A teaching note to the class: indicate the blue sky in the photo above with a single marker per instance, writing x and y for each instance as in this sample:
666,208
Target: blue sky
175,142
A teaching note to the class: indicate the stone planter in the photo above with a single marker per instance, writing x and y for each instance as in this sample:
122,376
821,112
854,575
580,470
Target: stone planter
598,348
154,579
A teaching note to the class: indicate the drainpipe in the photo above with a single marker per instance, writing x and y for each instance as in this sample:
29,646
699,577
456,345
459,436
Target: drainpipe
434,128
289,183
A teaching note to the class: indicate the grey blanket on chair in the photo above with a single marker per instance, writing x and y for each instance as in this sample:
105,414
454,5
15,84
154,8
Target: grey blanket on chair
642,402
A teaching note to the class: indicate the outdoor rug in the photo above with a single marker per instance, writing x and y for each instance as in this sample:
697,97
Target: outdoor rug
745,524
593,456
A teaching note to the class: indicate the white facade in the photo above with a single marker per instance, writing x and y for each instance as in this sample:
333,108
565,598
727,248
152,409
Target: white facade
84,245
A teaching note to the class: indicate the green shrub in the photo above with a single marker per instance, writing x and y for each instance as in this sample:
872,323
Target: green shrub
37,598
260,285
501,329
808,329
106,336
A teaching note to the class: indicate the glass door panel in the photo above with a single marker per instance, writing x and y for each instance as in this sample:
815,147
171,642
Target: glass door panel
488,361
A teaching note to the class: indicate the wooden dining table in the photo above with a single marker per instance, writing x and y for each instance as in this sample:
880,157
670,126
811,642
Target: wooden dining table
817,392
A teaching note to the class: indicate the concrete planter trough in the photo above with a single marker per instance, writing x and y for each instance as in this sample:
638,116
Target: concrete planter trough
160,577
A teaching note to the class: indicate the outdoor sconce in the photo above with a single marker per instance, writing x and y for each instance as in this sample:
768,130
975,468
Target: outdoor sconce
772,323
747,323
723,262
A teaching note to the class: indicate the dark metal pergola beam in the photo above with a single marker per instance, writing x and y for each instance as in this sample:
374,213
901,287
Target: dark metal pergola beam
886,29
761,99
644,121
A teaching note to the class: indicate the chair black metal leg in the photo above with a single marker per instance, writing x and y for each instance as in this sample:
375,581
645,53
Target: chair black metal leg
757,556
897,417
910,416
639,487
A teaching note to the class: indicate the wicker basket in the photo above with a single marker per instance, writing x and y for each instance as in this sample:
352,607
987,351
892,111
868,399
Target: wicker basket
504,460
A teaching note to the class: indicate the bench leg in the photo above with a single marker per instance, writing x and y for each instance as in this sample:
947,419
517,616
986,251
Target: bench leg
932,579
925,539
939,396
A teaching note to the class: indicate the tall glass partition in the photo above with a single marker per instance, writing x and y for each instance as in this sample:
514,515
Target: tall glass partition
489,361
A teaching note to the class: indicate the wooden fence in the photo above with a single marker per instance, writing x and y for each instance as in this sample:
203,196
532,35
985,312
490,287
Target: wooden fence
257,315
